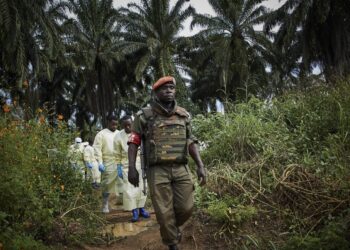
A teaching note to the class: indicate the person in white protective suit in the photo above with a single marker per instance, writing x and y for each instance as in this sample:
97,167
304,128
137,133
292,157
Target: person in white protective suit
104,154
75,156
133,198
91,164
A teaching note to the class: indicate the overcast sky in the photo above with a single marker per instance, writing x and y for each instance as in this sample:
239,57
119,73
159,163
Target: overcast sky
201,6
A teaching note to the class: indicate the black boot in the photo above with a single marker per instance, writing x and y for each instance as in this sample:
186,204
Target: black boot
173,247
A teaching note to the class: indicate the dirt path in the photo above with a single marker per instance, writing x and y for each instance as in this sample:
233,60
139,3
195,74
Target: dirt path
144,234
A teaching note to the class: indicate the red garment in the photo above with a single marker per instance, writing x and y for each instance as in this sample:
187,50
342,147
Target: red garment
163,80
135,138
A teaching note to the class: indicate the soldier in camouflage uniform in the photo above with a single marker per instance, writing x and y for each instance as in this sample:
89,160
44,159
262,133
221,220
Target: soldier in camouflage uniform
165,131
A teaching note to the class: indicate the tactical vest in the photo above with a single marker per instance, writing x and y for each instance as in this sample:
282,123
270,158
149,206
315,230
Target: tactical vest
165,138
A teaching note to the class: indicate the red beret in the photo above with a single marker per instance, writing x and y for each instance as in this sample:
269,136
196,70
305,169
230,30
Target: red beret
162,81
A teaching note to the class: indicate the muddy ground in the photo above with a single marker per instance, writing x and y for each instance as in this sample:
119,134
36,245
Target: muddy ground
144,234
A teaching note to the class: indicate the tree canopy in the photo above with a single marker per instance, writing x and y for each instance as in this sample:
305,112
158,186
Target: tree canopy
85,59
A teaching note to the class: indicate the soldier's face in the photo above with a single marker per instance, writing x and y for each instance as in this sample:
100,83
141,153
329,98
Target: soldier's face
166,92
112,125
127,126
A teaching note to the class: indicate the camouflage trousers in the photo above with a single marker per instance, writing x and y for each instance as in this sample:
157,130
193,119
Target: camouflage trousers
171,190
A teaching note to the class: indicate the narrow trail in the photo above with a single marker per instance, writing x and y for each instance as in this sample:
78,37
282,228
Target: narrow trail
144,234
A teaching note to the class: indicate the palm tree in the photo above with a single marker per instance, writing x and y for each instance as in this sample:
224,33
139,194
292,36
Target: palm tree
91,41
31,50
203,72
151,33
284,68
235,48
320,30
29,37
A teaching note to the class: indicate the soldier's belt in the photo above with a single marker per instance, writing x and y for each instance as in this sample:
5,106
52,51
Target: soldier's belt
170,165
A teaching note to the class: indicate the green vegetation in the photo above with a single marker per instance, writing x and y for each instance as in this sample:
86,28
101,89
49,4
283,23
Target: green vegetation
43,200
279,170
83,59
278,159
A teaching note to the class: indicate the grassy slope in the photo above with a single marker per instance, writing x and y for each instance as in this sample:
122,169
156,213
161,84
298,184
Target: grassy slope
279,171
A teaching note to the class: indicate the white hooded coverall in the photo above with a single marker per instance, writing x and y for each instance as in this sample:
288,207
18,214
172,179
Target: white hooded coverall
133,197
89,157
104,154
76,159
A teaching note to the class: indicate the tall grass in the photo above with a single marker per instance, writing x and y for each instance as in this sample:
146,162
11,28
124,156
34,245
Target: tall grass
287,162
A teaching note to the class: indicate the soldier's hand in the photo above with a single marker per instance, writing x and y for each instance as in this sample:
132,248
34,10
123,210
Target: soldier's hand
201,175
133,176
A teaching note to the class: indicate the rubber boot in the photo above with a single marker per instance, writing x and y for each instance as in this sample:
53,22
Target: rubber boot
135,215
144,213
105,208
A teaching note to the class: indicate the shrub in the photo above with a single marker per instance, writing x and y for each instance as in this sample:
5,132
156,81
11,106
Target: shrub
285,160
332,236
43,198
247,133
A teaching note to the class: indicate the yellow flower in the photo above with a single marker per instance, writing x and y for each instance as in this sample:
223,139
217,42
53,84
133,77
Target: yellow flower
25,84
6,108
42,119
62,188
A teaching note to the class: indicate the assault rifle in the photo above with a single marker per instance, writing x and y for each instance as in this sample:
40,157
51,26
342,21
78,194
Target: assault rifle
144,165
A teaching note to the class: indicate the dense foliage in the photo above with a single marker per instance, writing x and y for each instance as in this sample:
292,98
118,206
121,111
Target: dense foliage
85,59
317,32
279,170
281,155
230,45
43,200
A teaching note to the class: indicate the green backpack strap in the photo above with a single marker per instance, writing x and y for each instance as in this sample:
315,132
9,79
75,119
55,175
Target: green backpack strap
148,113
149,117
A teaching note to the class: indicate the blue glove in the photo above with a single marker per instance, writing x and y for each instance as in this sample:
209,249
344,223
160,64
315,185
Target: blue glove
120,170
101,167
89,165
